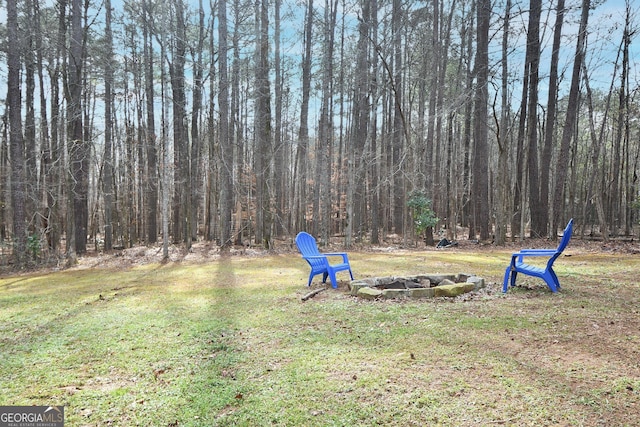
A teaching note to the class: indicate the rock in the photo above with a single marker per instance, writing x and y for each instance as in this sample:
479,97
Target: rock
416,286
437,278
395,293
462,277
384,281
422,293
369,293
356,285
478,282
453,290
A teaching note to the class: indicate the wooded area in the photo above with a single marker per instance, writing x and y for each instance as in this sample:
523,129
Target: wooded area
240,122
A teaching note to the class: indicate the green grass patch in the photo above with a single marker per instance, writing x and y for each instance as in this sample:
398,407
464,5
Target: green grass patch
228,342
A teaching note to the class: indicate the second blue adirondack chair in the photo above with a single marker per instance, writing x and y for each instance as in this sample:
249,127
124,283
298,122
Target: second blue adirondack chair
319,262
546,273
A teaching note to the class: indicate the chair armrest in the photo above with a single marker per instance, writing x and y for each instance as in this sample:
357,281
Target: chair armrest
342,254
536,252
531,253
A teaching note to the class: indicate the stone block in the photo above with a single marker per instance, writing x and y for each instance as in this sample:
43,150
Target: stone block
356,285
453,290
446,282
449,285
437,278
369,293
468,287
422,293
395,293
462,277
478,282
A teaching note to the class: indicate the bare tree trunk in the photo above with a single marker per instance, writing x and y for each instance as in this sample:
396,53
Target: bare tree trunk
16,141
151,173
467,208
374,168
45,139
181,205
441,195
235,128
617,214
359,130
212,191
398,140
595,189
53,157
29,136
226,188
263,128
107,180
195,154
213,177
503,137
339,186
279,147
518,219
129,184
550,129
140,179
538,209
300,173
630,169
5,173
322,190
78,148
165,178
570,121
480,131
226,169
432,71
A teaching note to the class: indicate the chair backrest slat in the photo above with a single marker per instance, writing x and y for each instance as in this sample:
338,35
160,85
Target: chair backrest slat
306,244
566,236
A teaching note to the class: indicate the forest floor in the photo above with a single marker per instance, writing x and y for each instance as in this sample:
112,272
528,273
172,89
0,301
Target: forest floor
204,251
208,339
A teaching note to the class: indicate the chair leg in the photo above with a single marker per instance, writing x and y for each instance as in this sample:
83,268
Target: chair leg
550,285
334,282
550,279
555,278
505,283
324,277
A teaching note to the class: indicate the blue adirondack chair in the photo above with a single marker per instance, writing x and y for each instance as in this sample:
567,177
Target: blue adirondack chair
546,273
319,262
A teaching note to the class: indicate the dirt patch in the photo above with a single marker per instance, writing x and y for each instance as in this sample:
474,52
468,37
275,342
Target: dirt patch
143,255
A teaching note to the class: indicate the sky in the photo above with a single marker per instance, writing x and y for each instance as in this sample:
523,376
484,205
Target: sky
606,24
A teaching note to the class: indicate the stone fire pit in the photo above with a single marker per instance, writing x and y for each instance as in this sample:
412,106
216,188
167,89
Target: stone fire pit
420,286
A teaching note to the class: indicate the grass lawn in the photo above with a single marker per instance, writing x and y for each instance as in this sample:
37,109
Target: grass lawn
227,341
